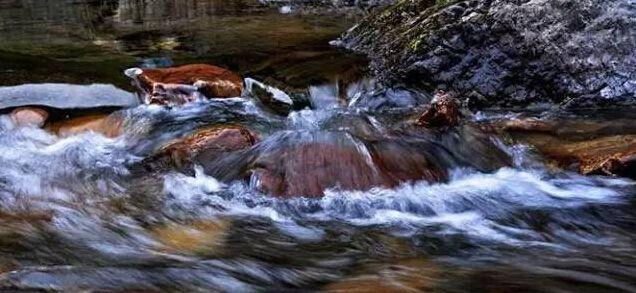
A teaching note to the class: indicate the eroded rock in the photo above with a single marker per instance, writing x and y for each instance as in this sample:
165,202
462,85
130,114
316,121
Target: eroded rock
180,85
306,164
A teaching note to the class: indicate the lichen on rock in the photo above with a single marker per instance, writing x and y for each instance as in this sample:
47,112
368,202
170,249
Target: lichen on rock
507,52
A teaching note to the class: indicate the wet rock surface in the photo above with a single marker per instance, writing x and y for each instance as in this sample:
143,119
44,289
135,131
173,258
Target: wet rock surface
443,112
507,53
108,125
180,85
272,98
206,144
590,147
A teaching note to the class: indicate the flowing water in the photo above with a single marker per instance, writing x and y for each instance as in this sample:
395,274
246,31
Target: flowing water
76,215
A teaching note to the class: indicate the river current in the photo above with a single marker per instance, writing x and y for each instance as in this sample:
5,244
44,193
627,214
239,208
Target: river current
76,216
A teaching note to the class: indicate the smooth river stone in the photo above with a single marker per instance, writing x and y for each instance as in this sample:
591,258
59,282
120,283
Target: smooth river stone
66,96
110,126
29,116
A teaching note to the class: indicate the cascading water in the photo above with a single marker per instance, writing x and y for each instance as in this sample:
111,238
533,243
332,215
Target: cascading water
89,213
105,229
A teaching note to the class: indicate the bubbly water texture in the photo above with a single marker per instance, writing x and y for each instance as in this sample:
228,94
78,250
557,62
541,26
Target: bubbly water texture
102,233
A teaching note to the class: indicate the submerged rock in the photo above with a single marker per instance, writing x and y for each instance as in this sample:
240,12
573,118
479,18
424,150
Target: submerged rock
66,96
29,116
179,85
507,52
197,237
407,275
204,145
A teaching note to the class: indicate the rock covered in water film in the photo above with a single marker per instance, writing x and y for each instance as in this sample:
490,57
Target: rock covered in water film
306,164
443,112
592,147
203,145
32,116
183,84
109,125
66,96
273,98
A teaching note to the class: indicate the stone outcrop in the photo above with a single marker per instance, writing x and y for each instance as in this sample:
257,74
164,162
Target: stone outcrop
180,85
507,52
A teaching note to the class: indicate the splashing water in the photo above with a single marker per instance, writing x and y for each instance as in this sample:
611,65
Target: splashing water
194,232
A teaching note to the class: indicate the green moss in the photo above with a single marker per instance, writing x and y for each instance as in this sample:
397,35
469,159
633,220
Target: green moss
442,3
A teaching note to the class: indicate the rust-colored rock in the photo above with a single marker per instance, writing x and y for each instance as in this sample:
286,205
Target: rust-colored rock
529,124
30,216
108,125
398,164
179,85
29,116
208,142
410,275
309,168
196,237
595,148
443,112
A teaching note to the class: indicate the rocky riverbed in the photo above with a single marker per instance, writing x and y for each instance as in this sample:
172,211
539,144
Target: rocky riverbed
180,146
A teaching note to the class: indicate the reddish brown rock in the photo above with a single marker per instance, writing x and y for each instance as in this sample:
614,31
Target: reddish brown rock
309,168
30,216
210,142
195,237
29,116
108,125
178,85
407,275
399,164
596,148
443,112
529,124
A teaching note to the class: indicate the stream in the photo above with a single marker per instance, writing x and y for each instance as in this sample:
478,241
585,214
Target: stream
77,214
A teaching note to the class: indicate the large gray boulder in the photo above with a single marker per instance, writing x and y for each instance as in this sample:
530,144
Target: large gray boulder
66,96
507,52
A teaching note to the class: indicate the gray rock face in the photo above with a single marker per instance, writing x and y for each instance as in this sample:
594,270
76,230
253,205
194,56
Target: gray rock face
332,3
508,52
66,96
